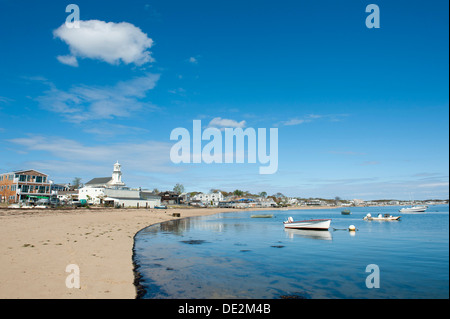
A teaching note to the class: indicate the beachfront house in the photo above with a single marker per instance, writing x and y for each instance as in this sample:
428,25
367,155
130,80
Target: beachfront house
169,198
24,185
211,199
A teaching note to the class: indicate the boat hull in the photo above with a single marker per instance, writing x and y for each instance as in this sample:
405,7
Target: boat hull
312,224
414,209
383,218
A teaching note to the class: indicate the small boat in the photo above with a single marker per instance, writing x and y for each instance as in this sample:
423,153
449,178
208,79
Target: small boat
311,224
414,209
346,212
382,217
161,207
262,216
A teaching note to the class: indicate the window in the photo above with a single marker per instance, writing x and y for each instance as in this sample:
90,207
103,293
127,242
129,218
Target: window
22,178
38,179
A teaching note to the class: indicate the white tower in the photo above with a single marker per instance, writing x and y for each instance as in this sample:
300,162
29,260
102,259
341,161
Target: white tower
117,176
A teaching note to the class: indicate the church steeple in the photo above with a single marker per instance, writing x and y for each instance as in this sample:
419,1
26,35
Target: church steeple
117,176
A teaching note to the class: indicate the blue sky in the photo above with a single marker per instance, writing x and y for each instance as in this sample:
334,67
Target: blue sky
361,113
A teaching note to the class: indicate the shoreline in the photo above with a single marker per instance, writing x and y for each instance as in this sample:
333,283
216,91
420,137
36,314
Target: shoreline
37,245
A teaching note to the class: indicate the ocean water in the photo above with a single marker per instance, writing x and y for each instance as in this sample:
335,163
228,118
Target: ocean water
231,255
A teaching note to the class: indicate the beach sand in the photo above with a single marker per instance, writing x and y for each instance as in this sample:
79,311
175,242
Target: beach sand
36,246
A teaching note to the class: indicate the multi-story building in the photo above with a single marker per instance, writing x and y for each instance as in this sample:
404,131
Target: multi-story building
23,185
212,199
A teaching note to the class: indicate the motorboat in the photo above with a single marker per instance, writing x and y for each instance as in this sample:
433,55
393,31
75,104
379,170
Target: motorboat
311,224
346,212
387,217
414,209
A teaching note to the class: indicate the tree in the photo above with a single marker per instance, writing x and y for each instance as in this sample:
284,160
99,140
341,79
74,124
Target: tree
238,192
178,188
337,200
77,182
263,194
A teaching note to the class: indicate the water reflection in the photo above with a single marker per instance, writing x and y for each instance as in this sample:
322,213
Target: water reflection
304,233
235,256
179,227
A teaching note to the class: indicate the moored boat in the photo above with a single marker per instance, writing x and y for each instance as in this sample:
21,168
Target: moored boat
346,212
414,209
311,224
386,217
262,216
161,207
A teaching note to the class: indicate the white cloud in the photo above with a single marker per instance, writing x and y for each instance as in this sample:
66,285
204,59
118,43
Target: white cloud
223,123
193,60
82,103
293,122
67,154
107,41
68,59
5,100
312,117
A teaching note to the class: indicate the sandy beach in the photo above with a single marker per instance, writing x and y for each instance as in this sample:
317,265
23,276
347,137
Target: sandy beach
37,245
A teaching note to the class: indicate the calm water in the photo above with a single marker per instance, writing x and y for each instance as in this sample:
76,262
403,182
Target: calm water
232,255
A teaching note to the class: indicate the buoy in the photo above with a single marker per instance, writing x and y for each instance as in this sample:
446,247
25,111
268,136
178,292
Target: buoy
351,228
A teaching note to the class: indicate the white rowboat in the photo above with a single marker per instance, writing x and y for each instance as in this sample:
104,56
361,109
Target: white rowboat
311,224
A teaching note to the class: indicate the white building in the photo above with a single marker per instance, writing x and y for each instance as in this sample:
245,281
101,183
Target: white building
112,190
266,202
208,199
131,198
357,202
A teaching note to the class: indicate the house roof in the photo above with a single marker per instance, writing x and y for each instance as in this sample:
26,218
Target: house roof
99,180
29,170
